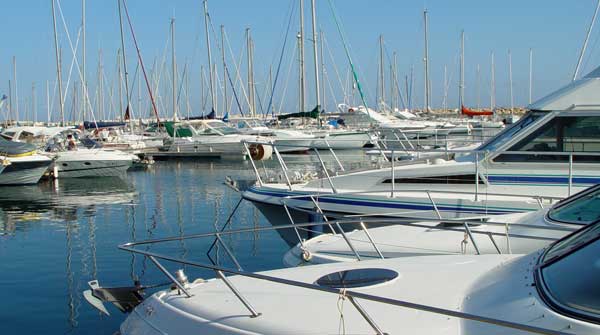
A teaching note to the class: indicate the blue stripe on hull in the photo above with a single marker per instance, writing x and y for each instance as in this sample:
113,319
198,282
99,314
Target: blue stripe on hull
394,205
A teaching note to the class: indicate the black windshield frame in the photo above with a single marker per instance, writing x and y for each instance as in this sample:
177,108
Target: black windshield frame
543,289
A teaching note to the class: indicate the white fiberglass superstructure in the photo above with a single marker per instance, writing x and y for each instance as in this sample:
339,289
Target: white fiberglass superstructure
480,294
517,233
552,152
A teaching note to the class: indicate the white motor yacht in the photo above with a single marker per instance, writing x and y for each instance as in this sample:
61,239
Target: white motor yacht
550,153
517,233
209,138
550,291
286,140
26,166
78,162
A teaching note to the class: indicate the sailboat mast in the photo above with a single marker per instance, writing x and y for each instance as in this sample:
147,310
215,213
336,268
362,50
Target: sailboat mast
16,88
251,93
225,103
83,57
173,70
210,71
461,85
323,72
315,55
493,85
58,68
124,60
381,101
530,74
48,101
478,86
427,85
302,65
510,81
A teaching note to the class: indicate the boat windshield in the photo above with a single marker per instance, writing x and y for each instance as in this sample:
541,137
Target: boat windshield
511,132
578,254
581,209
222,128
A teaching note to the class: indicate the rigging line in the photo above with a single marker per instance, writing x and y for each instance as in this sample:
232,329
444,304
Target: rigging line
75,58
183,74
237,66
141,63
342,85
395,75
64,98
237,101
292,60
285,39
355,76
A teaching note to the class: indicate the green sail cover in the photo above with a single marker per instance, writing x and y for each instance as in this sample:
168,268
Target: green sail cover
181,132
312,114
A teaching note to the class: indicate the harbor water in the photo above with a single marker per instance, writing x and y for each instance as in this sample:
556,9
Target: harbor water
57,236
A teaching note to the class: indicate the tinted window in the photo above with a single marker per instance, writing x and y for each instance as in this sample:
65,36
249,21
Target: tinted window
576,294
456,179
583,209
561,134
510,132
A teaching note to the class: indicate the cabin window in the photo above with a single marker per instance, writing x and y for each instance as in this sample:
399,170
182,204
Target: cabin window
577,295
457,179
510,132
562,134
583,209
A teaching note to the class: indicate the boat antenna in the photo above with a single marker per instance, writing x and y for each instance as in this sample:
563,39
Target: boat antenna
585,42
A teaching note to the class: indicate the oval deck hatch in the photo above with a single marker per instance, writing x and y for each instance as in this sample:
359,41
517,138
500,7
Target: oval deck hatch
357,278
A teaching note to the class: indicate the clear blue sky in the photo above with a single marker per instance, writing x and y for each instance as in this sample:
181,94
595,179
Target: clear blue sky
554,29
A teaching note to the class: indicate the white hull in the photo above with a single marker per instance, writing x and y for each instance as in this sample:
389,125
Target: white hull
92,163
25,170
494,286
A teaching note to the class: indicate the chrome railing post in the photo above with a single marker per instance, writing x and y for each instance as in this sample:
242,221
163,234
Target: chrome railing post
283,167
287,210
494,242
334,156
364,228
364,314
471,238
437,211
319,210
325,171
477,176
570,173
237,294
260,182
393,172
170,276
228,251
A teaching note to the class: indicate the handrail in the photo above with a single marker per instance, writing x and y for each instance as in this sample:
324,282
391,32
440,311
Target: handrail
352,295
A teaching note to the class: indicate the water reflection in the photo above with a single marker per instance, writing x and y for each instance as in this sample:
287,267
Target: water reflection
60,200
65,233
